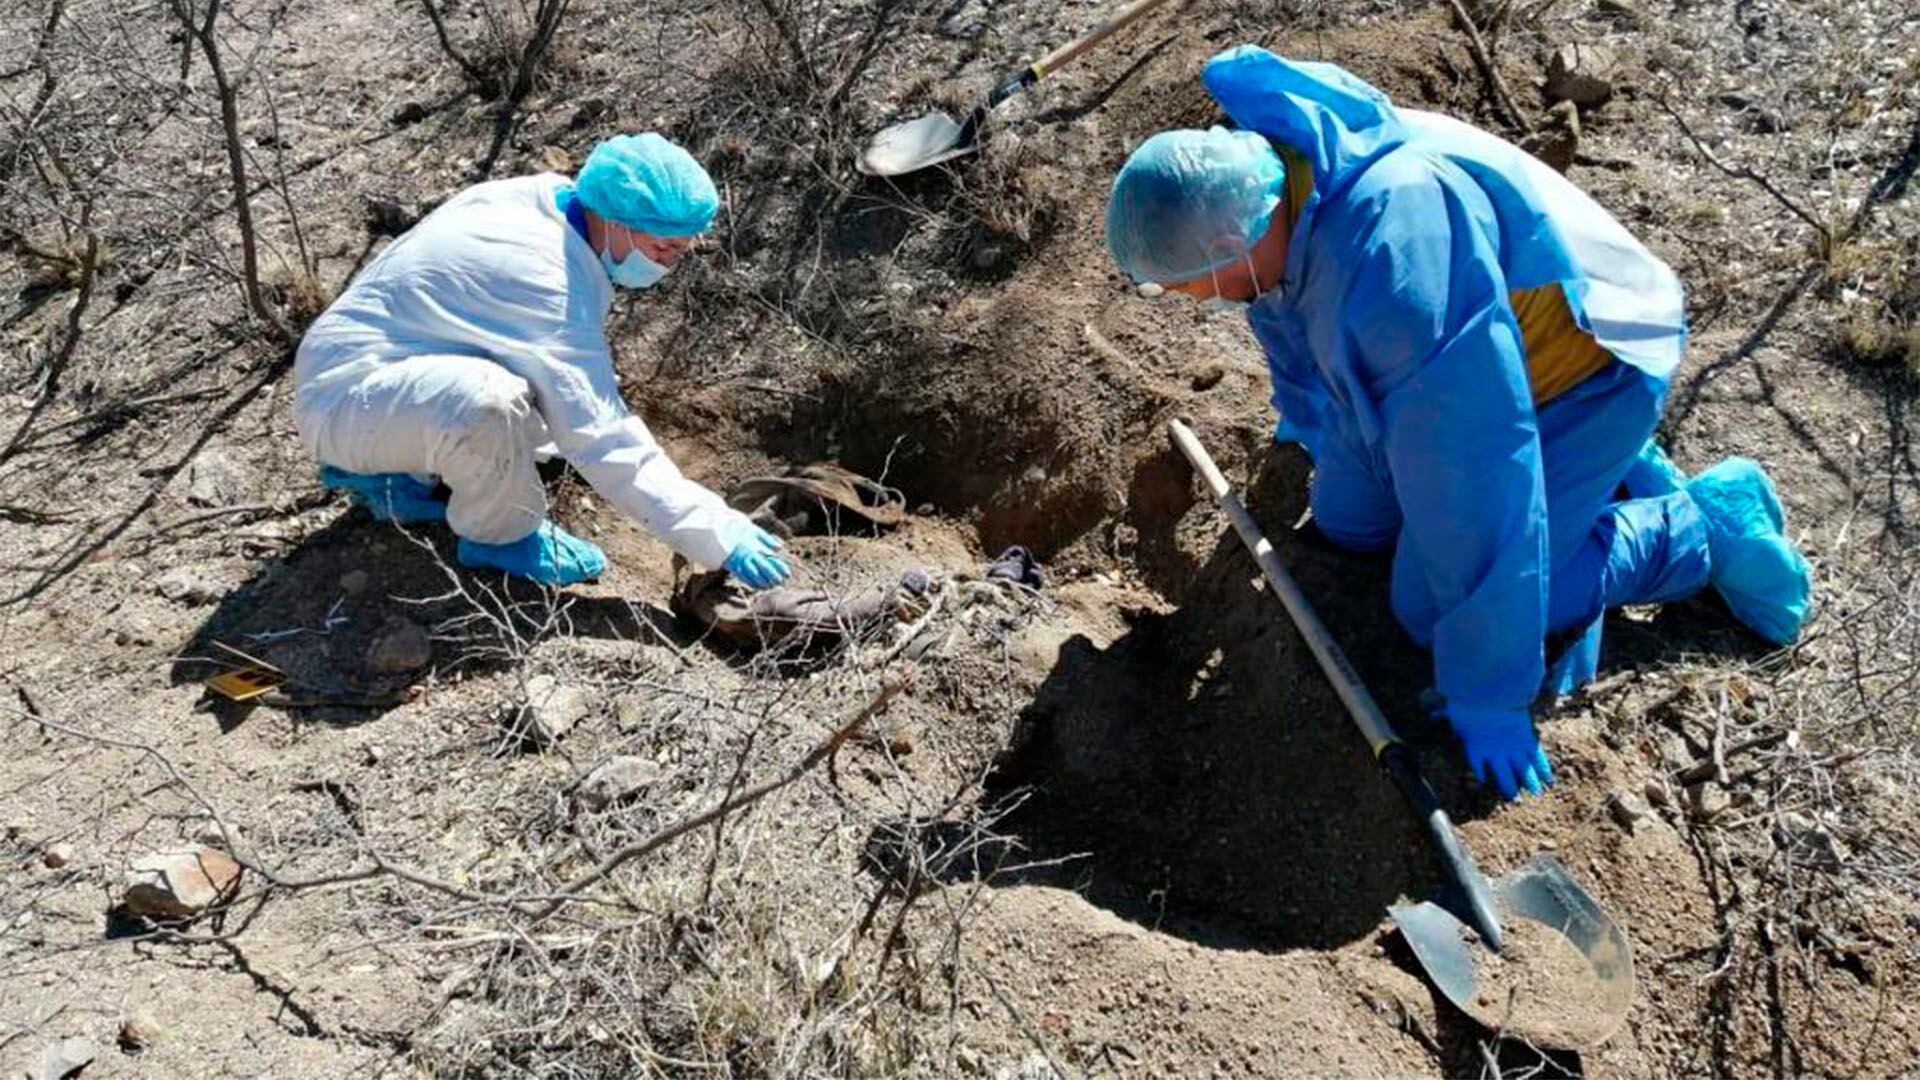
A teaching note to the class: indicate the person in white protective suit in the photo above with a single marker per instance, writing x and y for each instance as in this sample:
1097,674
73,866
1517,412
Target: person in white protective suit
478,336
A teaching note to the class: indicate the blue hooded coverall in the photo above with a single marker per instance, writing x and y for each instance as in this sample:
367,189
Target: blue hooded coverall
1398,364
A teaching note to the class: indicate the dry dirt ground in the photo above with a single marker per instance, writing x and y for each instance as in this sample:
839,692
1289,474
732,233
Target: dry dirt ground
1119,827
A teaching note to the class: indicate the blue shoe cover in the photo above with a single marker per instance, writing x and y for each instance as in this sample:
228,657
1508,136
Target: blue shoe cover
549,555
394,497
1755,567
1652,475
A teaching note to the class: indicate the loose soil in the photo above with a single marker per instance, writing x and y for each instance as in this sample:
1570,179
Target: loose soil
1539,986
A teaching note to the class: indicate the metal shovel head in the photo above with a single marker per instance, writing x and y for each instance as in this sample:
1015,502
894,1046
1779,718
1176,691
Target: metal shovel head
1564,976
916,144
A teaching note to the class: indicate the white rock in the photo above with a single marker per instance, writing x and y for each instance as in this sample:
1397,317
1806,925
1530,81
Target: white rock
56,856
65,1058
139,1030
1809,843
552,709
216,479
177,884
188,585
614,780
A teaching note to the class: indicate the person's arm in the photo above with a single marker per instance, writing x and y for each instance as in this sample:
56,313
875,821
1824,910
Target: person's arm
1440,358
618,455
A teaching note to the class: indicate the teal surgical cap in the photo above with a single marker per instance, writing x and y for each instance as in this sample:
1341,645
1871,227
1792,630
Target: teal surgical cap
647,183
1188,202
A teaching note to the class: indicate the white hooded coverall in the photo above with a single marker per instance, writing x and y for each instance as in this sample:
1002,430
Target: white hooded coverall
468,343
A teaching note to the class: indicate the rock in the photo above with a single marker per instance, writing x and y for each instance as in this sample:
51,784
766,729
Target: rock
630,713
1622,13
1583,74
65,1058
615,780
402,646
1706,801
1557,142
1657,794
353,582
181,883
1809,843
188,585
1625,809
216,479
139,1030
1035,1067
1207,376
551,710
56,856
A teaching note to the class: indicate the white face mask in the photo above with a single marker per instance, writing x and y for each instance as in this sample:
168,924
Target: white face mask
636,271
1222,303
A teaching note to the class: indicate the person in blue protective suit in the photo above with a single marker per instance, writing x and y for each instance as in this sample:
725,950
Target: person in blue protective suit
476,341
1475,355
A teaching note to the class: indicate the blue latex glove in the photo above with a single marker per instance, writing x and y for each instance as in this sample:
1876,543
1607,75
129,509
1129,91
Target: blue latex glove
549,555
1502,749
753,560
394,497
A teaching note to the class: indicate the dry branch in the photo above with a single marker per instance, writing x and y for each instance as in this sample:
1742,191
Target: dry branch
747,796
1483,59
202,33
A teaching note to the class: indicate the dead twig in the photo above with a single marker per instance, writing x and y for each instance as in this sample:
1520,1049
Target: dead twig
745,797
56,363
1483,59
1746,173
201,31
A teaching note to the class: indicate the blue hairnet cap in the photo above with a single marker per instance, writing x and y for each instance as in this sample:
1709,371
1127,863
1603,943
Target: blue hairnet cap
648,183
1188,202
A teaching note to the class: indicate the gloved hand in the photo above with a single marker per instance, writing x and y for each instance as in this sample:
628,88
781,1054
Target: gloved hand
1502,749
753,560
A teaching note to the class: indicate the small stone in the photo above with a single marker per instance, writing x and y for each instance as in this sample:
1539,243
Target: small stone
615,780
65,1058
178,884
216,479
1582,74
551,710
1626,810
1557,142
970,1060
1706,801
139,1030
188,585
1809,843
1657,794
630,713
1207,376
353,582
56,856
375,753
402,646
1035,1067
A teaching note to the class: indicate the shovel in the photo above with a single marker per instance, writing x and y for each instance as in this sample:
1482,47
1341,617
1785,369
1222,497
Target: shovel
1560,974
937,137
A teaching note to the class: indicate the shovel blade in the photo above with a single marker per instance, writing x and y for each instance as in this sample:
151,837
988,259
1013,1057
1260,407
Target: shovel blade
1538,990
916,144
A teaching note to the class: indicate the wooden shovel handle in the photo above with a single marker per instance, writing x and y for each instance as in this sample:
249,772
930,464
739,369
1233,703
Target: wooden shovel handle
1118,21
